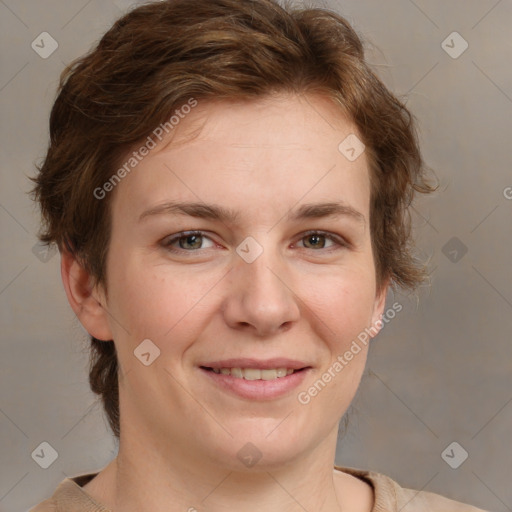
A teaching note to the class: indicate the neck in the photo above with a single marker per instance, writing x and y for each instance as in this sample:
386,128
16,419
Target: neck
145,478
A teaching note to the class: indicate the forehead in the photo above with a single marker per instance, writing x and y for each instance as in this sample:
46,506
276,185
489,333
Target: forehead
256,156
280,121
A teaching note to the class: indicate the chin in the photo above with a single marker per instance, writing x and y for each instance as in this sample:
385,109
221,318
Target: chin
263,444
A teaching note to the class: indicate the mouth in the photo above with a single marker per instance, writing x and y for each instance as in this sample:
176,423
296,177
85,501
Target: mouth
255,373
256,380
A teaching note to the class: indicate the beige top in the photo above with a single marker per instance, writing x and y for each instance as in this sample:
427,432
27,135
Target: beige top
389,496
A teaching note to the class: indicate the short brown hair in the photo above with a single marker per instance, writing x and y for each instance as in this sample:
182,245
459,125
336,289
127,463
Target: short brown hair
161,54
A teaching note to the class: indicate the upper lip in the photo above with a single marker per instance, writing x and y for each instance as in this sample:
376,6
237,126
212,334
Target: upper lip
277,362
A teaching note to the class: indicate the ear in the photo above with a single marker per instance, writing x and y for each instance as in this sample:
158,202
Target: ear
87,301
378,308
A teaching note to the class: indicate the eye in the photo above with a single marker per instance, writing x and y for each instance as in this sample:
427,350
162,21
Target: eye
192,241
188,241
316,240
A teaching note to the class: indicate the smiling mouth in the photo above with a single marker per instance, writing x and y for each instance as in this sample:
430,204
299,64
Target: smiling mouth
255,373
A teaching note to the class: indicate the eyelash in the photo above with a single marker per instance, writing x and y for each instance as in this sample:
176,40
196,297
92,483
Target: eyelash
167,242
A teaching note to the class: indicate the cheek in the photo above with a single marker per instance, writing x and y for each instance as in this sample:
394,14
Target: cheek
153,303
341,306
345,308
343,301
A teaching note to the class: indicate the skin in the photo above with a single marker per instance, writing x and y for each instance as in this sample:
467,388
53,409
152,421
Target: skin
301,298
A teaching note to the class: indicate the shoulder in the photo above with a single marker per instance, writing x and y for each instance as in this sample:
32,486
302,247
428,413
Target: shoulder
389,496
69,496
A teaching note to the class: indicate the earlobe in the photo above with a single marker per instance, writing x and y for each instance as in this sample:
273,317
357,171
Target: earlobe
85,299
378,308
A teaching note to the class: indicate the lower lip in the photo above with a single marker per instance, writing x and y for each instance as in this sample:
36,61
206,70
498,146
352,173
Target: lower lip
258,389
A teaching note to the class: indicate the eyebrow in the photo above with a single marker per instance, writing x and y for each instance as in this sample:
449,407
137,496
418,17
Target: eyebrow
227,215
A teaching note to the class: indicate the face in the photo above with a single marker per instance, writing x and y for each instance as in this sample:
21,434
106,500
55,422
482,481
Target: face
266,281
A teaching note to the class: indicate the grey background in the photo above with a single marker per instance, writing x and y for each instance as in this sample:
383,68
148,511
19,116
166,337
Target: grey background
439,372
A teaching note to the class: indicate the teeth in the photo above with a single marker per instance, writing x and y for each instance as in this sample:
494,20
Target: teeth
237,372
254,373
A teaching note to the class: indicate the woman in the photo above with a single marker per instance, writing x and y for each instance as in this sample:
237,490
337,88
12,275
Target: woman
228,182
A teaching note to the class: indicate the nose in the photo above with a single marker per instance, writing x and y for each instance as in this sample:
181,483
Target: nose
260,297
